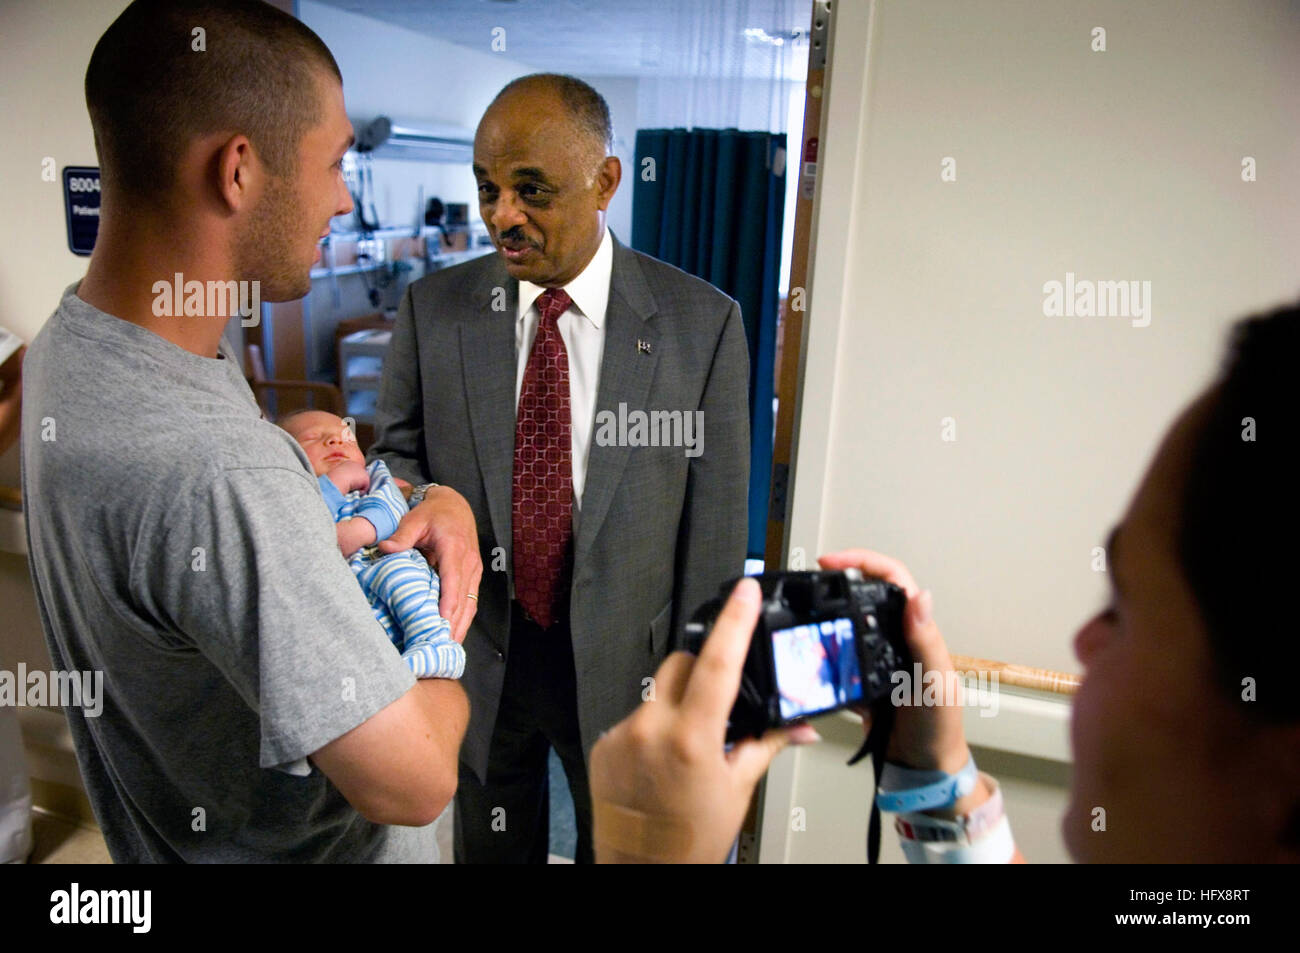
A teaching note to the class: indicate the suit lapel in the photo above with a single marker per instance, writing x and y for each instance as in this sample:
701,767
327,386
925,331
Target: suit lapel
487,348
626,372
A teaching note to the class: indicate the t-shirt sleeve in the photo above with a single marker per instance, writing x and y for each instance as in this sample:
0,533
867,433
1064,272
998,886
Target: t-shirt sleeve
251,576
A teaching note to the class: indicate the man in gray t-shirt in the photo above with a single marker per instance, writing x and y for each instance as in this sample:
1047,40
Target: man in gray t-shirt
208,589
252,707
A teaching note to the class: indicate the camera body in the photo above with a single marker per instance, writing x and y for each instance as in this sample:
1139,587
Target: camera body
824,640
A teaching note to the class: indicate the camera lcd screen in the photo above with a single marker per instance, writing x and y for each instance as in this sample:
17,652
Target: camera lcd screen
816,667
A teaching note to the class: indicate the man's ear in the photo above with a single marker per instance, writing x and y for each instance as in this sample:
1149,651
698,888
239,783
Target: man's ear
607,180
237,167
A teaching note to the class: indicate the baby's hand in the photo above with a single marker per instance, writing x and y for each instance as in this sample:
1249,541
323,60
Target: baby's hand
354,533
348,476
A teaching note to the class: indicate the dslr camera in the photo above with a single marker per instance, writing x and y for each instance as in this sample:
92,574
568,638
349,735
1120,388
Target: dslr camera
824,640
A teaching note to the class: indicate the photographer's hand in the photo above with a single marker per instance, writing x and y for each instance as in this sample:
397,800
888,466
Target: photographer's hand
663,787
925,737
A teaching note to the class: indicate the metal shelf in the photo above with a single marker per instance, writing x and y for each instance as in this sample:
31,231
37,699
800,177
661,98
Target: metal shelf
360,392
352,269
443,260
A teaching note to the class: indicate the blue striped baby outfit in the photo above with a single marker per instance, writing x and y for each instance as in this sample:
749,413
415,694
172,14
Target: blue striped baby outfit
402,587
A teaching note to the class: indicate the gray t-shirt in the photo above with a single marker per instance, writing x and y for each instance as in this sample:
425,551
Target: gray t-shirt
179,545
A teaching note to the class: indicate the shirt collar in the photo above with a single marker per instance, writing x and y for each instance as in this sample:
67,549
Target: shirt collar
589,290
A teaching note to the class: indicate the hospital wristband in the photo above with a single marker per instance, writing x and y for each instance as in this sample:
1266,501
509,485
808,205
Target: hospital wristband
995,847
909,789
962,829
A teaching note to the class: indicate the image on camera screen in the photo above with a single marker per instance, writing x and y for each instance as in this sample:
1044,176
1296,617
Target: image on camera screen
816,667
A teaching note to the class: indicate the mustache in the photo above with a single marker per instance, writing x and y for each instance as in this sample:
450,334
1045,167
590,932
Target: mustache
516,234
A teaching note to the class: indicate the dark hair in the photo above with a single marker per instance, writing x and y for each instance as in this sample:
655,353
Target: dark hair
1240,518
150,91
587,107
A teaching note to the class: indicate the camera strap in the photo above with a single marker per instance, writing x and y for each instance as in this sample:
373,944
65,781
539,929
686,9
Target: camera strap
877,740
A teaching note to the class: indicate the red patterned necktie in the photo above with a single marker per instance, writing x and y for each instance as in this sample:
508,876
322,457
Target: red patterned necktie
542,505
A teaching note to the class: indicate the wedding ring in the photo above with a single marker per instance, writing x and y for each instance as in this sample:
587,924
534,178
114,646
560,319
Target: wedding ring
472,595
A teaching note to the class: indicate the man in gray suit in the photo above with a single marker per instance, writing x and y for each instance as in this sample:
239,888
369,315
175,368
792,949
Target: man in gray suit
591,403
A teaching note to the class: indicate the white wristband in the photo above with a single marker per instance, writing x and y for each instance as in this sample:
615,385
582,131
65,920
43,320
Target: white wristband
997,847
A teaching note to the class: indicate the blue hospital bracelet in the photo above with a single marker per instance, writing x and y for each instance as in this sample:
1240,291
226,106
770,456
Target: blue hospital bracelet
905,789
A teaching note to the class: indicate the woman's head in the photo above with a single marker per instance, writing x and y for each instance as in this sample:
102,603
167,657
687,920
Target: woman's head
1186,730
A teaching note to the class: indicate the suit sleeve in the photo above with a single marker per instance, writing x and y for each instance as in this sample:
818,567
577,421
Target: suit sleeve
399,412
714,528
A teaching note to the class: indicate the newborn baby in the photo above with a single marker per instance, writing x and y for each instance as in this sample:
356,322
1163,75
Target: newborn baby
367,506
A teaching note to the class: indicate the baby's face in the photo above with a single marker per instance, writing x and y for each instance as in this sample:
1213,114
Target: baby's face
326,439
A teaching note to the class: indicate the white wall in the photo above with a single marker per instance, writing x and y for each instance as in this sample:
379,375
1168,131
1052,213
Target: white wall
927,297
1116,165
389,70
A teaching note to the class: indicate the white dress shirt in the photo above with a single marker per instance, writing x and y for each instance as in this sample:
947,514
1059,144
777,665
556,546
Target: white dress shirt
582,326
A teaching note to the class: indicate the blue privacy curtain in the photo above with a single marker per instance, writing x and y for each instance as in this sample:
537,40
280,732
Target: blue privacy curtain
713,207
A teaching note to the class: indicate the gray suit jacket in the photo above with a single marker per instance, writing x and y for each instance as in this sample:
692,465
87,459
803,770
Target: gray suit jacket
657,533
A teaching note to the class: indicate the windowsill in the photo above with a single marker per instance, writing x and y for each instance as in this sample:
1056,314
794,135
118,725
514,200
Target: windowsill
1017,720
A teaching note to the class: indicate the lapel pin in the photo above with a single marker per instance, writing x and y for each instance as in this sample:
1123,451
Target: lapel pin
643,346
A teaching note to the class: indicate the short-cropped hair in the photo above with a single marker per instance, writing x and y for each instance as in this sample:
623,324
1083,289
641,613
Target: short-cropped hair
587,108
168,71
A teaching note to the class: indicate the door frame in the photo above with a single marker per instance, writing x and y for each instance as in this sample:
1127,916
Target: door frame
809,363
